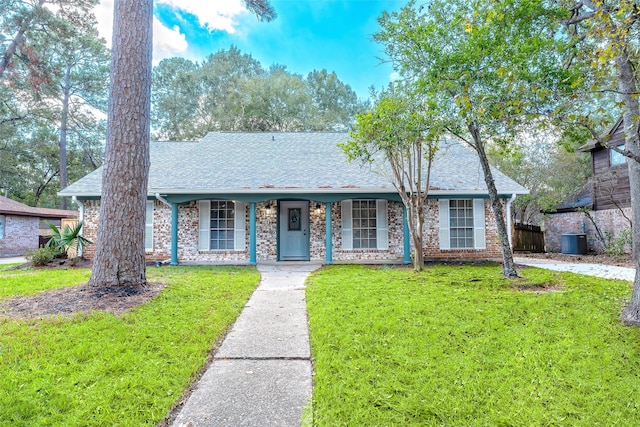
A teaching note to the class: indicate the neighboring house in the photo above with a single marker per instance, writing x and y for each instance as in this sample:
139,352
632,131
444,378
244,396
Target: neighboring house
250,197
20,225
606,198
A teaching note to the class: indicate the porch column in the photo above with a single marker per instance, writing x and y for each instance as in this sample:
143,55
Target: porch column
406,236
174,234
252,233
329,234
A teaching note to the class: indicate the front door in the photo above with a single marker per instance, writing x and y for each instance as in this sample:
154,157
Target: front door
294,231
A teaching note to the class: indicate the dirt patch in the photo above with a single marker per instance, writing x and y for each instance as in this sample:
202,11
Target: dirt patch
537,288
76,299
604,259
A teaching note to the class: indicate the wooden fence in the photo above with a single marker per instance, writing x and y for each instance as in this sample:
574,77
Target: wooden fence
528,238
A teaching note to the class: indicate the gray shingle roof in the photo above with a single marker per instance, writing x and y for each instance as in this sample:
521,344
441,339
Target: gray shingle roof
308,162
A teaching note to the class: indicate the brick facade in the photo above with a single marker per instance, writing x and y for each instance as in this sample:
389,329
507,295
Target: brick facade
20,235
611,221
266,231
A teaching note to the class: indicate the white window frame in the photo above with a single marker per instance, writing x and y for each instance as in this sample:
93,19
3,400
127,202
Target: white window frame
3,225
382,226
204,226
616,158
479,232
148,226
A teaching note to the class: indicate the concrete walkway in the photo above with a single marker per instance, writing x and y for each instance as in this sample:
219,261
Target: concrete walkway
598,270
262,373
13,260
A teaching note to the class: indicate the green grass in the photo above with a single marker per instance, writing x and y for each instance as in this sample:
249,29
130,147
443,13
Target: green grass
30,281
459,345
101,370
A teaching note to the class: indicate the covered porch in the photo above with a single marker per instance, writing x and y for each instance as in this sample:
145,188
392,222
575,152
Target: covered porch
292,213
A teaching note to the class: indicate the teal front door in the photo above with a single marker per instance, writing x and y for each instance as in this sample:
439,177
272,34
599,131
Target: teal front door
294,231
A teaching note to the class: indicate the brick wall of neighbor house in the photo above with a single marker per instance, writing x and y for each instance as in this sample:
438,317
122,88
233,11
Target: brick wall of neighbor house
266,229
608,220
20,235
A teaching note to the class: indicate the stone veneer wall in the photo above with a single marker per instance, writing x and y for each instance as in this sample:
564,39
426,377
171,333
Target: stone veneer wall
608,220
266,230
20,235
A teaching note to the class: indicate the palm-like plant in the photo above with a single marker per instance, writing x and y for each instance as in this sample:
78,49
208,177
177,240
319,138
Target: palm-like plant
68,238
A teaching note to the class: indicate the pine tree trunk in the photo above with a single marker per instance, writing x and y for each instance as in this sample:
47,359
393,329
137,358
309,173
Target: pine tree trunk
64,122
120,258
508,265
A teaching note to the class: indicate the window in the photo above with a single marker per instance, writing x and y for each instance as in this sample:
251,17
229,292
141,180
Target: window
148,227
616,158
364,224
461,224
3,221
221,225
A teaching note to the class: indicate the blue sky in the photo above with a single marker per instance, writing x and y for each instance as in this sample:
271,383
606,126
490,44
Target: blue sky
307,34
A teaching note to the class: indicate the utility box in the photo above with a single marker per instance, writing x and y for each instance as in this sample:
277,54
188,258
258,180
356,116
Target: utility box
574,244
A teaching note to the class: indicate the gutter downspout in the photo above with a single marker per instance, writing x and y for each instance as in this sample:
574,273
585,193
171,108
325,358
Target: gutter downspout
80,218
509,202
166,202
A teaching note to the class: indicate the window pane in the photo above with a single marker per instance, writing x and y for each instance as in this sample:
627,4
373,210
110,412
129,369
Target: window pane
364,224
222,225
461,223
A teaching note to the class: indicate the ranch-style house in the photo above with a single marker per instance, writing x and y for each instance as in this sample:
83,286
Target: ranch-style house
253,197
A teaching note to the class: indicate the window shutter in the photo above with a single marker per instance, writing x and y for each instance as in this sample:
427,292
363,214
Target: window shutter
239,225
2,226
204,225
347,225
148,227
382,226
443,215
479,238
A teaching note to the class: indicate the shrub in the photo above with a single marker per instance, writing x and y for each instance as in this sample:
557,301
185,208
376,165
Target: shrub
618,245
41,256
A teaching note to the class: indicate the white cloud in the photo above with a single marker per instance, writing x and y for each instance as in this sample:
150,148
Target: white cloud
167,42
394,76
213,15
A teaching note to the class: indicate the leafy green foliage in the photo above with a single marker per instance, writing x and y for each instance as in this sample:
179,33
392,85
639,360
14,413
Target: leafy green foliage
41,42
398,136
621,244
101,369
69,237
231,91
42,256
461,345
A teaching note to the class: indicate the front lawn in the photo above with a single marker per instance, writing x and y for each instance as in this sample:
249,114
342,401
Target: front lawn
460,345
101,369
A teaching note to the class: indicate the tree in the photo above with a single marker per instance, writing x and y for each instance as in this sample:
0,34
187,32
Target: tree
334,103
80,67
547,163
119,261
38,98
612,27
478,65
399,134
175,98
24,24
